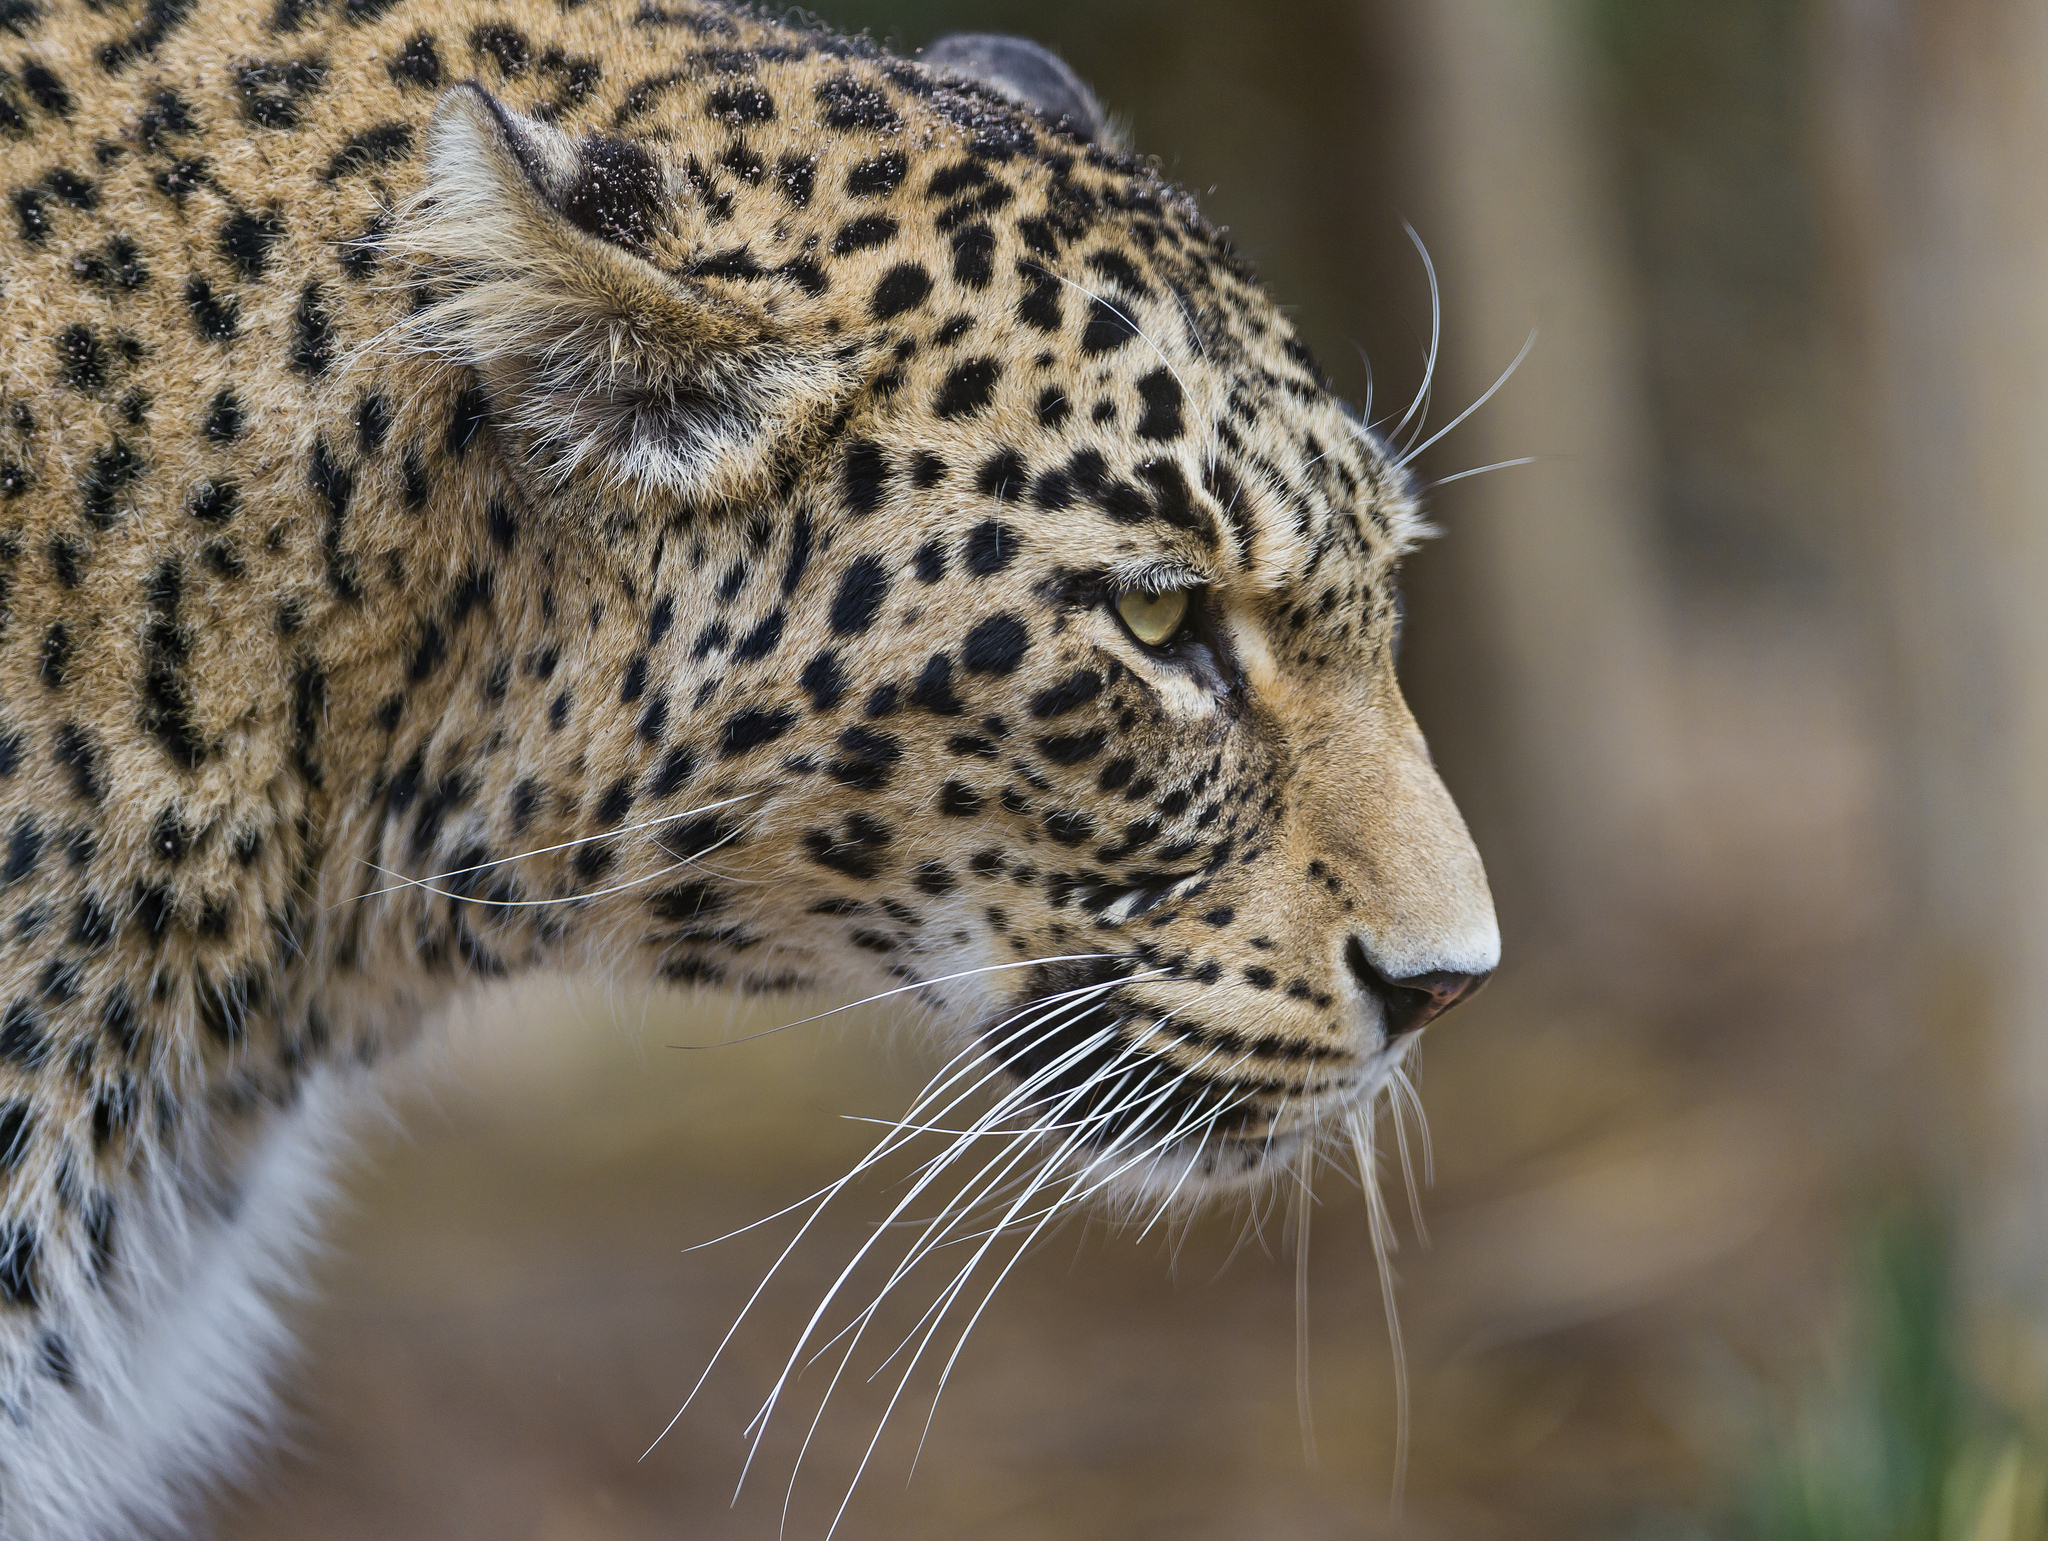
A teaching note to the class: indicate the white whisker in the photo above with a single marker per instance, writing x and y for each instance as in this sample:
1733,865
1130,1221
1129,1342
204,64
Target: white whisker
1408,456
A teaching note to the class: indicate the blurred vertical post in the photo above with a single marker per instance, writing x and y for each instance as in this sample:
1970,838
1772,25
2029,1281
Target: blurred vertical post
1937,126
1550,591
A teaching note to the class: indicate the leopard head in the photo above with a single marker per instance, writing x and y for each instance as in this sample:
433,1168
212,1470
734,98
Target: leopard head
1019,598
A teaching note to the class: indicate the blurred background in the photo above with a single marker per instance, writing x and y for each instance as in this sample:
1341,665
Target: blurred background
1741,1164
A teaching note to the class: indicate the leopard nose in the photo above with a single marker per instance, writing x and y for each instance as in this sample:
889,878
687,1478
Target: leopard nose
1411,1001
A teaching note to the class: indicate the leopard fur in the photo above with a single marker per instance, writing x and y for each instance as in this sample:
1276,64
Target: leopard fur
627,485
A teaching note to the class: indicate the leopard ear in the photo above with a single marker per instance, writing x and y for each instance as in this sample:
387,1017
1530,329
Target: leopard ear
611,374
1028,73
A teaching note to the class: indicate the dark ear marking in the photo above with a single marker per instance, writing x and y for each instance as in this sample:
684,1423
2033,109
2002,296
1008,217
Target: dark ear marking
1026,72
616,193
604,369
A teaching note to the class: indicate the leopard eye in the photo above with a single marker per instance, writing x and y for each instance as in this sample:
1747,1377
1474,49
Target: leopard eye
1154,619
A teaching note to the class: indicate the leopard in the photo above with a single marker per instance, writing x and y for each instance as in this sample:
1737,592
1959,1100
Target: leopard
652,489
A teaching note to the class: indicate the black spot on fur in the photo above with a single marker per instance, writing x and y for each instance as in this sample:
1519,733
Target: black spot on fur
1161,394
934,878
24,850
1039,306
417,63
117,267
472,411
904,287
795,175
853,104
68,555
107,473
990,547
335,485
80,192
869,759
866,477
752,728
870,230
166,117
1075,748
996,645
857,853
56,658
166,710
76,752
741,103
974,256
878,175
616,804
378,146
373,421
312,334
674,772
246,239
81,360
20,1249
21,1037
823,681
503,45
968,388
617,192
31,209
216,318
159,19
223,419
862,590
274,91
762,639
933,691
17,1129
1108,329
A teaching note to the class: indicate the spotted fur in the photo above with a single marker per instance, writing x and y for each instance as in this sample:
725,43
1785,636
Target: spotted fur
491,485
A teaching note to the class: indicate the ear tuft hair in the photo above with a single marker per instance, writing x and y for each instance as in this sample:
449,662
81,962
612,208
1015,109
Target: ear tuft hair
610,373
1028,73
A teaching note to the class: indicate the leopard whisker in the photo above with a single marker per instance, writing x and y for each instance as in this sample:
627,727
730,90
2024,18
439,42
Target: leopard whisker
1407,1166
1403,1086
1436,313
1380,1225
1498,465
1049,1170
760,1425
1064,1201
945,1076
922,984
1304,1211
681,863
1408,456
962,1203
922,1182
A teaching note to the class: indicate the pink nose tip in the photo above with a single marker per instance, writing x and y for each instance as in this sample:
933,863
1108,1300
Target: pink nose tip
1412,1001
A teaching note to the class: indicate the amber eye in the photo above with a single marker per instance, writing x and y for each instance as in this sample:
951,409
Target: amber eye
1154,618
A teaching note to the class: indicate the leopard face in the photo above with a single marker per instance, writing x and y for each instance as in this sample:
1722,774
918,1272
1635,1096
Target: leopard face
1048,670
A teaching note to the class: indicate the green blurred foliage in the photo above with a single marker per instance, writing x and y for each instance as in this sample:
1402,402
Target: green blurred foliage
1897,1443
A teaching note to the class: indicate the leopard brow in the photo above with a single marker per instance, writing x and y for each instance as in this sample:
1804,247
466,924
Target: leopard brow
1153,575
